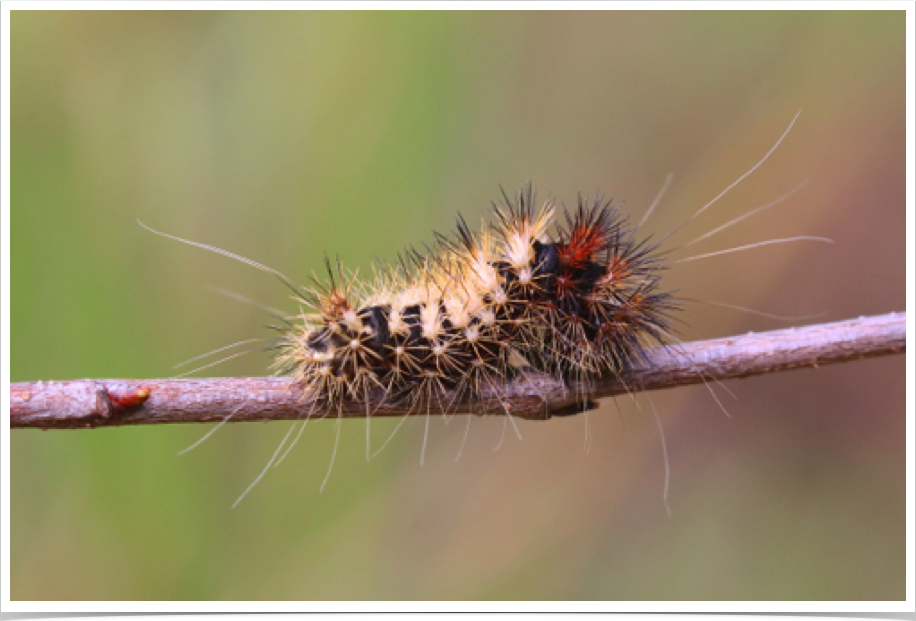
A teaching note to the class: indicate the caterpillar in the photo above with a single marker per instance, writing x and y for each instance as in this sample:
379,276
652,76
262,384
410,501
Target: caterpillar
477,308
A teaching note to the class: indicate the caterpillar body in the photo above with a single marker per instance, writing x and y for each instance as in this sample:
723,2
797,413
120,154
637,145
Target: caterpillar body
577,301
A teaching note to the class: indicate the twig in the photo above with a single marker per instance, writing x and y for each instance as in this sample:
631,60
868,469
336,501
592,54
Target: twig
79,404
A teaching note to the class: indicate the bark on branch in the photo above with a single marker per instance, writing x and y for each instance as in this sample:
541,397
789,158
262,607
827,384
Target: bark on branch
77,404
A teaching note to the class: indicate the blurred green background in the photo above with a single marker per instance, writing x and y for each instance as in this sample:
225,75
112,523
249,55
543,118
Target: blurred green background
285,135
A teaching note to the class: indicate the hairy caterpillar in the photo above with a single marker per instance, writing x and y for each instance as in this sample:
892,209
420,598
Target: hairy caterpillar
480,306
575,297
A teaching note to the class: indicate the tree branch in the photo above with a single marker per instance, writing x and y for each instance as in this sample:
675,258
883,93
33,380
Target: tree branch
93,403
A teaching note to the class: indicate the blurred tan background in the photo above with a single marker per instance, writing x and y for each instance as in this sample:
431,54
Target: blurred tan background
282,136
